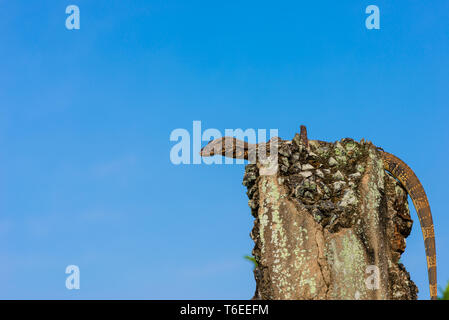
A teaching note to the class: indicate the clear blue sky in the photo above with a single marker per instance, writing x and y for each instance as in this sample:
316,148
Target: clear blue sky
86,115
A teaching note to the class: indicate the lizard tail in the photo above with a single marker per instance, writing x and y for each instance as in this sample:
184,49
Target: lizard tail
410,181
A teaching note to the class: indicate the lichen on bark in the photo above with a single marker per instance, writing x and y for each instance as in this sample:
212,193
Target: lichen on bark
328,214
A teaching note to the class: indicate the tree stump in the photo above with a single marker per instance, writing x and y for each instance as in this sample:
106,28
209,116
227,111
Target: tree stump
330,223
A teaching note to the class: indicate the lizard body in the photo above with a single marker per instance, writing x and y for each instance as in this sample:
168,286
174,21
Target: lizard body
235,148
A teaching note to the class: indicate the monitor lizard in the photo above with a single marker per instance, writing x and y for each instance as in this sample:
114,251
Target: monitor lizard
235,148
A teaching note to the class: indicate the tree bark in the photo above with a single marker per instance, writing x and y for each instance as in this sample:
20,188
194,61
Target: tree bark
330,223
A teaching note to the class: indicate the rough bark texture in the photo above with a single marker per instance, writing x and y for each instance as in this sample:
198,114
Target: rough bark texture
328,214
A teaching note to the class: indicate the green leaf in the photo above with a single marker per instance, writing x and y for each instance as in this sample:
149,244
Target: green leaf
444,293
252,259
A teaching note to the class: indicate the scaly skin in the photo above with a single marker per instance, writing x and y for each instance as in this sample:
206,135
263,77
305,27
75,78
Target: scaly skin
234,148
410,181
238,149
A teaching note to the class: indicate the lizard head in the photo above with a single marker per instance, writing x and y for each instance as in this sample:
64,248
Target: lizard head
212,148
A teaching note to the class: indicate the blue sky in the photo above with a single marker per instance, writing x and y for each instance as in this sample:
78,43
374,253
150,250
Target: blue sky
86,115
